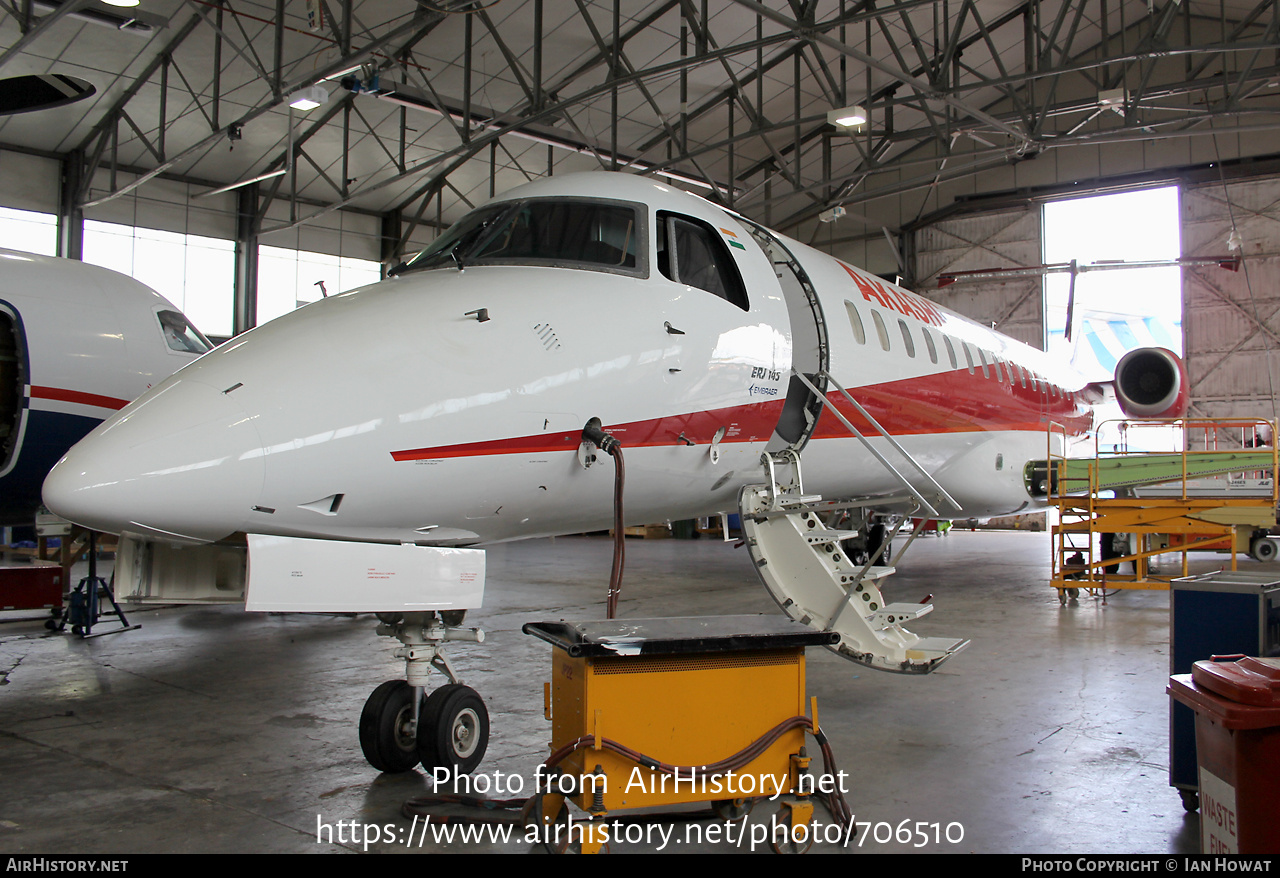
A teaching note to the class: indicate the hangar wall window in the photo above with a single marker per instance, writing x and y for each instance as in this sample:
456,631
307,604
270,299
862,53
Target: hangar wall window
191,271
289,279
691,252
29,231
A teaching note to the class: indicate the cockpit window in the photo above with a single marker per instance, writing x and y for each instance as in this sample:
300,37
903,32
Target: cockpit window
180,335
601,235
564,231
690,252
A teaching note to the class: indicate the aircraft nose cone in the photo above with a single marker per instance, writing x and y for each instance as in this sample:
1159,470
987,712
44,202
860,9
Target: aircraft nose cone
184,460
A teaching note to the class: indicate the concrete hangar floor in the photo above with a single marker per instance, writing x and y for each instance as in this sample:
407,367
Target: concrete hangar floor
214,730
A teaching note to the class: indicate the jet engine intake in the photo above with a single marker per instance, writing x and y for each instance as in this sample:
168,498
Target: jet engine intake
1152,383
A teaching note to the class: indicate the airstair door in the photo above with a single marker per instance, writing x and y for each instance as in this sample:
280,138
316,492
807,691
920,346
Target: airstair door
809,347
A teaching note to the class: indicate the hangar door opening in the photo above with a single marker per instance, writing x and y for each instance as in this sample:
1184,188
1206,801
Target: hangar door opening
1113,308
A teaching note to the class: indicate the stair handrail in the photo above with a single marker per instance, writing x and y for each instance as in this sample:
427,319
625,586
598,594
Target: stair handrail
933,513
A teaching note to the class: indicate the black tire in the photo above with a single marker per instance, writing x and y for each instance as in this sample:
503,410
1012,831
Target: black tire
1262,549
383,728
877,536
453,730
1190,800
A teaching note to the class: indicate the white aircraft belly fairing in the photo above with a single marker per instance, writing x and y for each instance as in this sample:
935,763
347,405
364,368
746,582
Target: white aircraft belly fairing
446,406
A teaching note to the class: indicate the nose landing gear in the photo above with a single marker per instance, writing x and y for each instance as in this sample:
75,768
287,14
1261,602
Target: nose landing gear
401,727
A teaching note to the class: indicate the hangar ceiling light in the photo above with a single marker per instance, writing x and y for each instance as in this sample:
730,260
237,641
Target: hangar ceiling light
847,117
309,98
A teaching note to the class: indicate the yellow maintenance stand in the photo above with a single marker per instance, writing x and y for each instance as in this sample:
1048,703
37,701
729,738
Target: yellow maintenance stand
660,712
1216,494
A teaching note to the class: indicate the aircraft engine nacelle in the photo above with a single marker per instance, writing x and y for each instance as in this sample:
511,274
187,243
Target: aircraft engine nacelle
1152,383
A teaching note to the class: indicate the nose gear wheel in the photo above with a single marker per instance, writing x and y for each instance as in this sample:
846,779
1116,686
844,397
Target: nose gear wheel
454,729
386,725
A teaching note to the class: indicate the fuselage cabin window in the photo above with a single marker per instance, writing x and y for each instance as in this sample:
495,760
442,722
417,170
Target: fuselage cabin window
880,328
951,353
986,368
928,343
968,356
855,322
691,252
906,338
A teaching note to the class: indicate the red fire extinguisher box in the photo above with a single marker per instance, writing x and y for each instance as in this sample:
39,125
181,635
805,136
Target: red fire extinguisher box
1237,707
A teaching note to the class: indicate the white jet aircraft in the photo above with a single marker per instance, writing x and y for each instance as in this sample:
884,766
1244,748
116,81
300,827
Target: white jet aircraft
77,343
453,405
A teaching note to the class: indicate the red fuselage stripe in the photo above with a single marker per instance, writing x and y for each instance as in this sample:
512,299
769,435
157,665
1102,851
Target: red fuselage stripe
950,402
63,395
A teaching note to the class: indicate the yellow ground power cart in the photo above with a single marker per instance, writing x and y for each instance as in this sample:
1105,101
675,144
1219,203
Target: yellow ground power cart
661,712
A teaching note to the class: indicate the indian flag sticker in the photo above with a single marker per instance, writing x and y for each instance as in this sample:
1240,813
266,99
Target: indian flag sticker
733,239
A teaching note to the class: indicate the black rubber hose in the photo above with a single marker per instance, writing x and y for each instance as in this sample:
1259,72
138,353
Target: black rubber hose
619,534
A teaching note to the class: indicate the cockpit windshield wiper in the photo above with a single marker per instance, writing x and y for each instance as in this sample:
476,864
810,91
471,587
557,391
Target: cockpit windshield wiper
483,234
462,239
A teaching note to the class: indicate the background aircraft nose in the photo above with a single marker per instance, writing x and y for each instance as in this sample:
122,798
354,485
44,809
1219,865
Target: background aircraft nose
183,460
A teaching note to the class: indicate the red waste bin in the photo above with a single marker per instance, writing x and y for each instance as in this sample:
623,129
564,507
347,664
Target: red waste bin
1237,707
